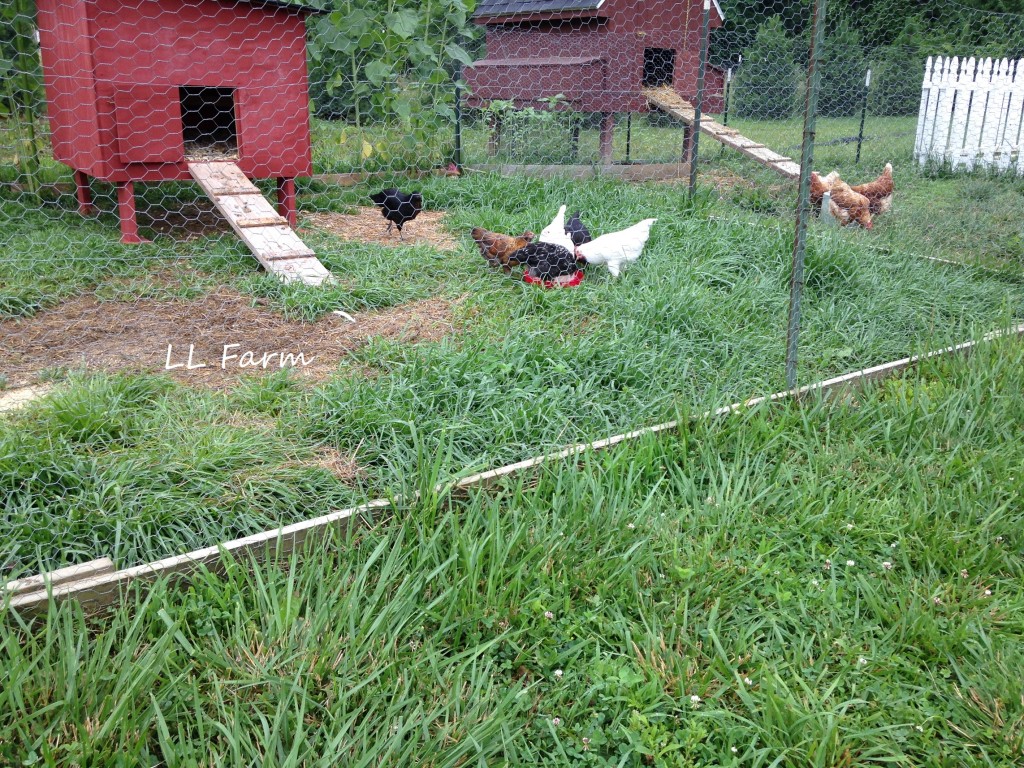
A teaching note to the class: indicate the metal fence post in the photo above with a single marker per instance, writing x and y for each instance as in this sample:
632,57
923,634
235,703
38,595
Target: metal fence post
863,114
701,68
803,206
458,117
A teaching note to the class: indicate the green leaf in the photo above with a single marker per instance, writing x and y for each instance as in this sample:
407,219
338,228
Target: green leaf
403,108
458,53
377,72
403,23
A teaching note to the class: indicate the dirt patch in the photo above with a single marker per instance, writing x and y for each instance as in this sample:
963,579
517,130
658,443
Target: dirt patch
368,226
725,181
85,332
184,222
342,465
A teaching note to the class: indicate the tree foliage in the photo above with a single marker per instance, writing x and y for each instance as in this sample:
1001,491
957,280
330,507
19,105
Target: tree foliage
893,37
767,83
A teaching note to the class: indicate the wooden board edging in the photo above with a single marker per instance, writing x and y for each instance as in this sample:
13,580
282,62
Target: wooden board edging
100,591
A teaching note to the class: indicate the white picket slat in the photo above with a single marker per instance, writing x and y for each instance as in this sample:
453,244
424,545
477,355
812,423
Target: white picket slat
920,150
944,112
971,113
993,106
958,117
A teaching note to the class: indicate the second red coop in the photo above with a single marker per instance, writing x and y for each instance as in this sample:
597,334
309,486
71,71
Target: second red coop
599,54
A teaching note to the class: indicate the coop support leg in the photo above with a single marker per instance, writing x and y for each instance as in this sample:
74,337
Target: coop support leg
126,212
286,200
687,143
607,134
83,194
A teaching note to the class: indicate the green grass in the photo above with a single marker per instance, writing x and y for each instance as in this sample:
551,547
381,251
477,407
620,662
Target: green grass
698,322
138,469
741,561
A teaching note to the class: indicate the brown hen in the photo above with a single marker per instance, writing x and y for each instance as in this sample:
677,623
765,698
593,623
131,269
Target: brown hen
848,206
499,249
878,192
819,186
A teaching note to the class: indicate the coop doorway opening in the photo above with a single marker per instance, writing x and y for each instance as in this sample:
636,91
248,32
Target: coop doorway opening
208,123
659,66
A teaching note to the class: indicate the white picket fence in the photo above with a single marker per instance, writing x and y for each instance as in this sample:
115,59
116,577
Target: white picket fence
972,114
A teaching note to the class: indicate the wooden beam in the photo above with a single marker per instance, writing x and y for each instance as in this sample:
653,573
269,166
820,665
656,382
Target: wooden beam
72,573
629,172
102,590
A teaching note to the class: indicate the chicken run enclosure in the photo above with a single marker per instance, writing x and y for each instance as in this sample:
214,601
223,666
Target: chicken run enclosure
208,329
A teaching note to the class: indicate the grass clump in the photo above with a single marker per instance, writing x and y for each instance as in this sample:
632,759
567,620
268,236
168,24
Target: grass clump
133,468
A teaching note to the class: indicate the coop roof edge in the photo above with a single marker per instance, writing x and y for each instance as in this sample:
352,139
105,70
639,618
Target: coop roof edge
282,4
494,9
497,9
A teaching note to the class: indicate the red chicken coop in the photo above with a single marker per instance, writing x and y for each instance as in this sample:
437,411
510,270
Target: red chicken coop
599,54
137,89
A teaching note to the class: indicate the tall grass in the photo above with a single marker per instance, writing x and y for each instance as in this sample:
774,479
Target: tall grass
800,585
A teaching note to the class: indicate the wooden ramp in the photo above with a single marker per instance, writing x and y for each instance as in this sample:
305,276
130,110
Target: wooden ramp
254,220
671,103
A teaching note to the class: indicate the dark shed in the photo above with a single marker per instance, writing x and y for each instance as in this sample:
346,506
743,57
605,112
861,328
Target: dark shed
136,89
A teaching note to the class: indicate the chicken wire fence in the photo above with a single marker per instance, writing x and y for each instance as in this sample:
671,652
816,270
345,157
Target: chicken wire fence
159,157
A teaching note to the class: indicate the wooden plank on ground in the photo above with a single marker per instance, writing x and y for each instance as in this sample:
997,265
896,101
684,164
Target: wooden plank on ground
101,591
104,590
626,171
40,582
250,210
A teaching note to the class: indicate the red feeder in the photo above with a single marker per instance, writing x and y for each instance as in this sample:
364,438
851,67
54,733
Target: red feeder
563,281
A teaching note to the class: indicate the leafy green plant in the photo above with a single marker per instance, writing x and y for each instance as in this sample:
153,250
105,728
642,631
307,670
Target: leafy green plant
394,63
22,101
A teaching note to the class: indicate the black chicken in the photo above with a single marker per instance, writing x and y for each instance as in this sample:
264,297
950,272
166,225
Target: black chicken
574,229
546,261
398,207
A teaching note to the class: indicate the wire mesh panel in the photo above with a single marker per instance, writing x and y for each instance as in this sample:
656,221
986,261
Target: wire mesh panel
270,269
241,241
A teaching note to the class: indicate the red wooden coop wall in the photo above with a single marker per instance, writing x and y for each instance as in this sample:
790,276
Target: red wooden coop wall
143,50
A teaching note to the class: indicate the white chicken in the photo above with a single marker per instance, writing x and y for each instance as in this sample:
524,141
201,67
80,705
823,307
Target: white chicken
555,233
617,248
